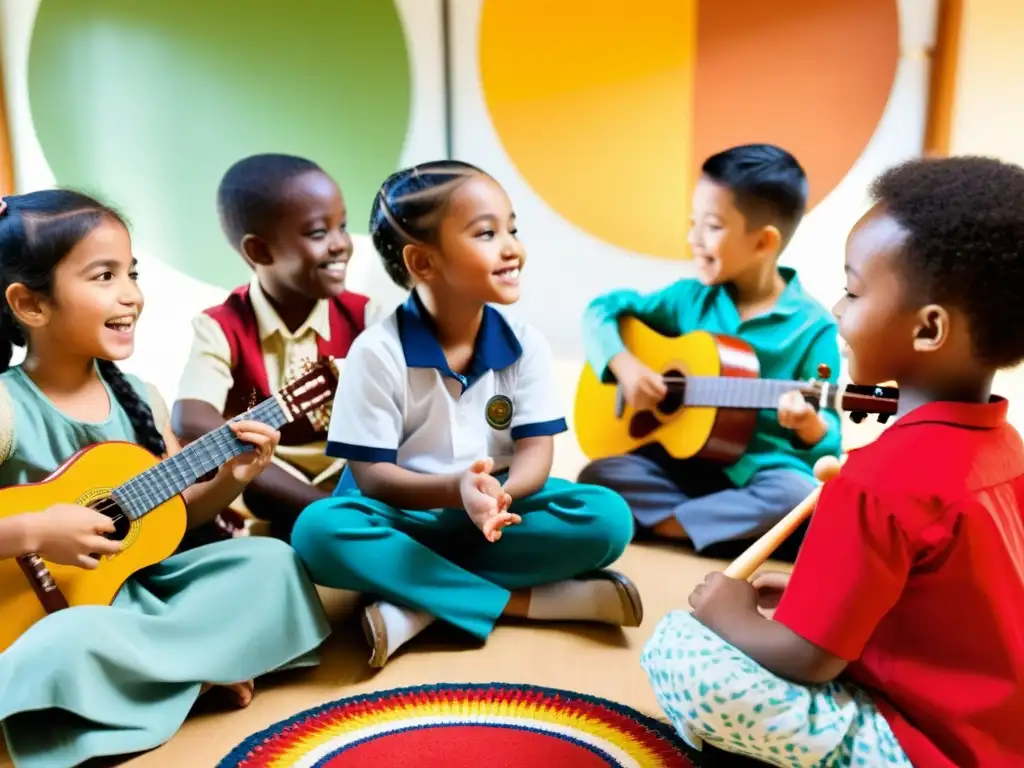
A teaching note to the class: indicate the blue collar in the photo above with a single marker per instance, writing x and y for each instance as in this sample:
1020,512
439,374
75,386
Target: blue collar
496,346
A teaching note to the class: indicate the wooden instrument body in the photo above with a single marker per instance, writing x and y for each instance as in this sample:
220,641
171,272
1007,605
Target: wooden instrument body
87,479
718,434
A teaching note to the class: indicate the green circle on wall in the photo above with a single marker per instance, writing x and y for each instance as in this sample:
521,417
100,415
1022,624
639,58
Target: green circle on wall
148,103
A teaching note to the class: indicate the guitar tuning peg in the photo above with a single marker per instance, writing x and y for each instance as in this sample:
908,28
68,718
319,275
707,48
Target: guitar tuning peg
883,417
824,372
857,416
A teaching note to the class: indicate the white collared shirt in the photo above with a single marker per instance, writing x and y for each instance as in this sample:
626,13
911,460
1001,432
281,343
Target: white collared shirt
398,401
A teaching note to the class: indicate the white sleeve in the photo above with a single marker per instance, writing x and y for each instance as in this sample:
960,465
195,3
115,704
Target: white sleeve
366,420
535,408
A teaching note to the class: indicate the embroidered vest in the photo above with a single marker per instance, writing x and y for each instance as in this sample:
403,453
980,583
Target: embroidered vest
236,318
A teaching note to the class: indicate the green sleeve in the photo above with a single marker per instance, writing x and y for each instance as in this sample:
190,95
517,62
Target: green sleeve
824,349
661,310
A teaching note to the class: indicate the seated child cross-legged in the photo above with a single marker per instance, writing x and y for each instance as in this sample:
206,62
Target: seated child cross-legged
446,414
747,203
910,581
287,219
102,680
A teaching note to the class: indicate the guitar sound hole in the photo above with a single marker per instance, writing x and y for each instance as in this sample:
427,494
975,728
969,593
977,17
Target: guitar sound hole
676,393
110,508
642,424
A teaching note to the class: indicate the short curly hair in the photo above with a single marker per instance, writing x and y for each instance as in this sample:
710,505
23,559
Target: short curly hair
964,218
408,208
250,193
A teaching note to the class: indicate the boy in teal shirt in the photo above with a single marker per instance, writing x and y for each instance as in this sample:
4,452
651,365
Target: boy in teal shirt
747,204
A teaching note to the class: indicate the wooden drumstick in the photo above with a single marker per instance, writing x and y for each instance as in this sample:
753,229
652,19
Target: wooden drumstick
743,567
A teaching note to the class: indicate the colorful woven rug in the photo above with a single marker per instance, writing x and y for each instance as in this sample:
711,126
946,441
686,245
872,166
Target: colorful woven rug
465,726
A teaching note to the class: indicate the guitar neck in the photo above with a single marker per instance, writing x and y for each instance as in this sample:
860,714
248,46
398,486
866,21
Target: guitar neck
174,474
734,392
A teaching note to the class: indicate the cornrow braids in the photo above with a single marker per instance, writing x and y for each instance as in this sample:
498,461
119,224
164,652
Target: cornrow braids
138,411
408,207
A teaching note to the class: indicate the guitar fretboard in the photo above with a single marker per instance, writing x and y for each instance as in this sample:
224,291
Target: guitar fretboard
734,392
173,475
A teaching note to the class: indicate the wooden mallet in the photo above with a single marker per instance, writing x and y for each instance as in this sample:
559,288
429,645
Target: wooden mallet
743,567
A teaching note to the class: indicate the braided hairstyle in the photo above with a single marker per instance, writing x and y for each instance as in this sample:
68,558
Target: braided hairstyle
37,231
408,208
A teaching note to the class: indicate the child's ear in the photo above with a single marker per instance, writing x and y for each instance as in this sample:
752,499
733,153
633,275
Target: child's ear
28,306
256,251
932,328
769,241
419,260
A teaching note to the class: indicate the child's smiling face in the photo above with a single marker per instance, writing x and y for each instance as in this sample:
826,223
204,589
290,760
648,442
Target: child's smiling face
723,244
877,320
481,256
307,247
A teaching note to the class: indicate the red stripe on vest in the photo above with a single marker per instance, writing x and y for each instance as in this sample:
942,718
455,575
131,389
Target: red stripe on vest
236,318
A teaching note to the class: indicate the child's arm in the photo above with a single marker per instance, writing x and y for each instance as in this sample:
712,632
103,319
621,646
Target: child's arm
198,409
661,310
853,566
815,434
537,416
404,489
64,533
729,608
205,500
194,418
531,466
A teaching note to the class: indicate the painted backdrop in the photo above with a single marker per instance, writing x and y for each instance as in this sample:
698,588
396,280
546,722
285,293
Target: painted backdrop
593,116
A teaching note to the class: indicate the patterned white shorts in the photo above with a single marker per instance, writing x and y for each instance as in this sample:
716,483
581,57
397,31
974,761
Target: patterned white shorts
710,689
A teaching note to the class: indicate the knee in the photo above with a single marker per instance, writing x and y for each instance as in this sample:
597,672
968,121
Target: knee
604,472
318,527
611,525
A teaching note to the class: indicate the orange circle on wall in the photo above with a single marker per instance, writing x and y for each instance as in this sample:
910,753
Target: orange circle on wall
609,111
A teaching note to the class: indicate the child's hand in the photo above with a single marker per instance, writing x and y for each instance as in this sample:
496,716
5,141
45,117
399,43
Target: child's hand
68,534
485,501
642,388
719,598
770,586
248,465
795,413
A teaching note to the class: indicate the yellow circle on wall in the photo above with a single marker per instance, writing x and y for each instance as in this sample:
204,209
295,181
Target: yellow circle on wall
608,109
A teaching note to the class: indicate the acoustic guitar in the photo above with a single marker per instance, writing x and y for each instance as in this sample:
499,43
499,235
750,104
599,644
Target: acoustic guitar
141,494
714,393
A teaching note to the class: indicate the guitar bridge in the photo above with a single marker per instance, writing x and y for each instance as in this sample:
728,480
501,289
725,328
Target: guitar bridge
39,576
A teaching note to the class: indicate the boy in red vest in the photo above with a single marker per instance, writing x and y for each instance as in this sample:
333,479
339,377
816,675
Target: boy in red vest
287,219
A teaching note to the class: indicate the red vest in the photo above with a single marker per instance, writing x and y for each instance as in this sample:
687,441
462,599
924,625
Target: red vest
236,318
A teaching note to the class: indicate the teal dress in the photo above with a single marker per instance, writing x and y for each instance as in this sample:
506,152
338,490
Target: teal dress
92,681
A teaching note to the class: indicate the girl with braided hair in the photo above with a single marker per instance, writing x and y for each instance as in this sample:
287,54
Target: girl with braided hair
177,628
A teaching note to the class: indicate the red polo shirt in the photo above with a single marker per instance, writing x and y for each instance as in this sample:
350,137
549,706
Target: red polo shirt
913,571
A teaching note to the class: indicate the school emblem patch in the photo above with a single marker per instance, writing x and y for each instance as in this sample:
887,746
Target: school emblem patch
499,412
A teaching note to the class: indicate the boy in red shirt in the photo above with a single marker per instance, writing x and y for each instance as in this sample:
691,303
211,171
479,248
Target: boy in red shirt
910,582
287,218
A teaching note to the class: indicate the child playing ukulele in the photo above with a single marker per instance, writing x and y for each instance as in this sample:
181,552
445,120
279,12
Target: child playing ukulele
746,206
899,637
91,681
287,219
446,414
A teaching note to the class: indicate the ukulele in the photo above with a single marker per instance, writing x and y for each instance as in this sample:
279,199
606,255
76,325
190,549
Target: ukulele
714,393
141,495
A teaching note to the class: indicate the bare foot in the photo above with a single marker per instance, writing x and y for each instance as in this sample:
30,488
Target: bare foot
243,691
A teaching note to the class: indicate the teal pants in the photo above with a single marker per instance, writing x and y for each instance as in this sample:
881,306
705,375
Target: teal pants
438,561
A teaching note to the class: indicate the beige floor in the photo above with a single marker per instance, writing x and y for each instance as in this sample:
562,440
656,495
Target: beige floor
599,661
